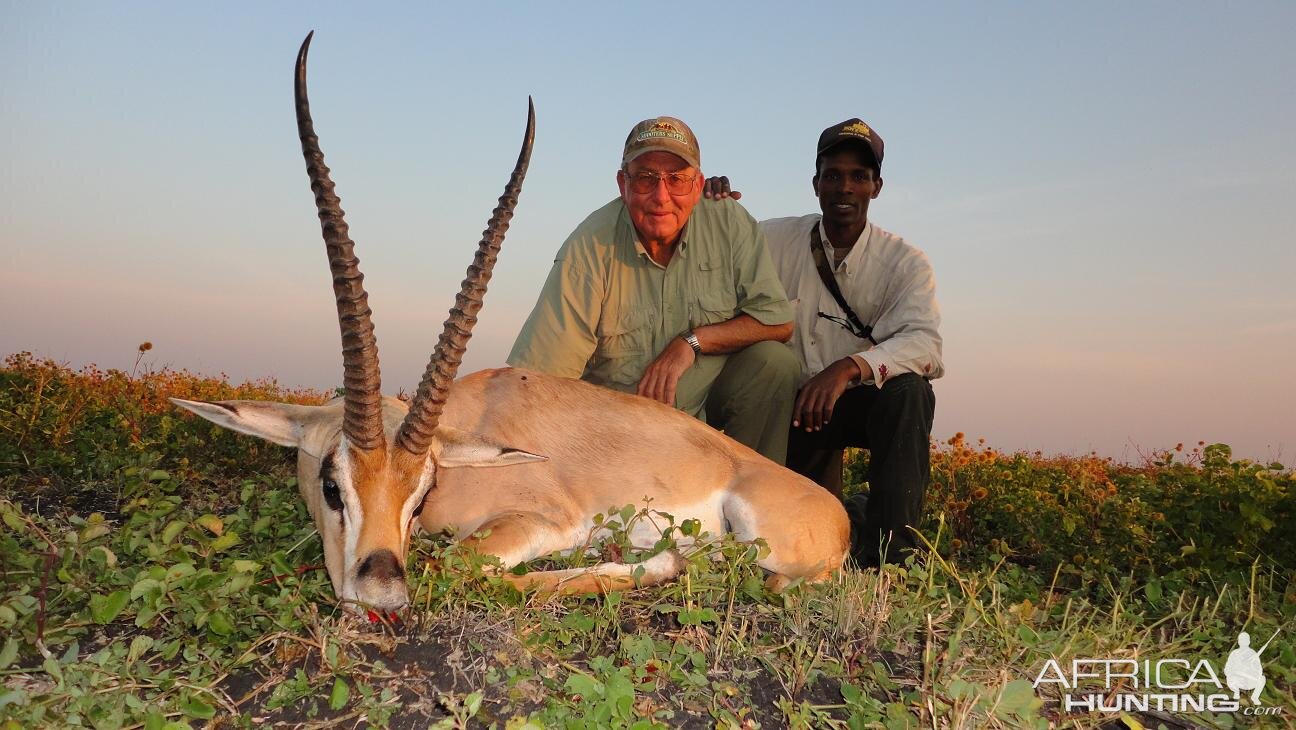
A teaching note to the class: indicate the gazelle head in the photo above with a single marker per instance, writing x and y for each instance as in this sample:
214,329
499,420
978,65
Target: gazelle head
365,463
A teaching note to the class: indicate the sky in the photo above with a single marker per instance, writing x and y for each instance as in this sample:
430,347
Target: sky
1105,190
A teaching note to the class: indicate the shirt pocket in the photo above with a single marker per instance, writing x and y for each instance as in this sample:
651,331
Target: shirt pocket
714,299
624,344
866,301
808,328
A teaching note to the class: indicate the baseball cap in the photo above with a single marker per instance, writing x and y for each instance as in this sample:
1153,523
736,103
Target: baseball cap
662,134
852,130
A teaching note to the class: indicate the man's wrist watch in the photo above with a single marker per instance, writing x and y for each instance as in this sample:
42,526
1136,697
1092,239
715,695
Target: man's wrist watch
692,341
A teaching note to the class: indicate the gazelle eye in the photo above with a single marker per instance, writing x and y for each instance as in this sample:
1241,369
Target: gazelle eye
332,495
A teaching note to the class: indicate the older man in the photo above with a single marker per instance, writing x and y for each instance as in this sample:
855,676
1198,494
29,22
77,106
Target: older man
870,349
672,297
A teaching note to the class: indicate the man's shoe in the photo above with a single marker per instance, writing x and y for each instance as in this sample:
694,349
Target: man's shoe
865,556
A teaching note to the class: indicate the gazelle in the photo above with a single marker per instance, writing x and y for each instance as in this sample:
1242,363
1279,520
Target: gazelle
371,469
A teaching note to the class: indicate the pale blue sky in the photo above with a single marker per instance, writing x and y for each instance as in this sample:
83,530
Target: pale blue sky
1105,189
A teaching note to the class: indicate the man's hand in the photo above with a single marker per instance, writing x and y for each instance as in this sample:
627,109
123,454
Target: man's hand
814,403
663,373
718,187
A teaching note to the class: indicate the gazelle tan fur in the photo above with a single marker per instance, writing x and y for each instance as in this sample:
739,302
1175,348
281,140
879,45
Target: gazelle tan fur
370,469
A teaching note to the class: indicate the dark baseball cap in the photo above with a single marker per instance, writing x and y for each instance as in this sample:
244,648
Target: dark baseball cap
852,130
662,134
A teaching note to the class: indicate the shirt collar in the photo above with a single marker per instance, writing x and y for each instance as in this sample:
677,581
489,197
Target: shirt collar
857,250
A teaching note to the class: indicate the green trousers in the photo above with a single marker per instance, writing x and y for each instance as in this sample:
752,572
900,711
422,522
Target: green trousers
748,394
751,398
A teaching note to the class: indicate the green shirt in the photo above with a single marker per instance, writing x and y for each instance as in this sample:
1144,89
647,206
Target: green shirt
607,309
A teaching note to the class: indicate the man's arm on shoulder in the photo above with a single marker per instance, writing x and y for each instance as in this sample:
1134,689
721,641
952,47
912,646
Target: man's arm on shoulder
558,337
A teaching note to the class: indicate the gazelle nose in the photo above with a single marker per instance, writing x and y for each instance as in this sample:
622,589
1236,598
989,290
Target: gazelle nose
381,565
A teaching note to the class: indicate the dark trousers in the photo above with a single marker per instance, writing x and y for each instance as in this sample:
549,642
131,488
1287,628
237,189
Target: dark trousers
894,423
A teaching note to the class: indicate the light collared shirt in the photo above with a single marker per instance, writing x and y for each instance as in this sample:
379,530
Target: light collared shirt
607,309
888,283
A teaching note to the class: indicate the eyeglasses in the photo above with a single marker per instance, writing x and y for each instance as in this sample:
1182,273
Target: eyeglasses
677,183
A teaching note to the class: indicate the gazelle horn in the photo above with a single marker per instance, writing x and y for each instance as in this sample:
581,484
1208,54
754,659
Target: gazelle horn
362,421
415,433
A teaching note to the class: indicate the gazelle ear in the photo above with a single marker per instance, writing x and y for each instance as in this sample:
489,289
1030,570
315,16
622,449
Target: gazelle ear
453,447
279,423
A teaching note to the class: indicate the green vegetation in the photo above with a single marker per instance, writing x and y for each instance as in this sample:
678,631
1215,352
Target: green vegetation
156,571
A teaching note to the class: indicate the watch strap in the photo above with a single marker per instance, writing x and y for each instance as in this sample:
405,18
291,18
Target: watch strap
692,341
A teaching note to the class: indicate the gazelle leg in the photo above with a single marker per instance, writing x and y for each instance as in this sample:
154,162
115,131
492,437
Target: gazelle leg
519,537
778,582
604,577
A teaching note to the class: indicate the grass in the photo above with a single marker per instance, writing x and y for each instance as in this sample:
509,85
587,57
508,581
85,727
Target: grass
158,572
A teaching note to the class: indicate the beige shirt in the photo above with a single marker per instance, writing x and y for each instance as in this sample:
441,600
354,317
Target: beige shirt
888,283
607,309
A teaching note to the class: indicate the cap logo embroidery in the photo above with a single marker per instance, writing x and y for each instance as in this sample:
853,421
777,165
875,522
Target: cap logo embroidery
859,129
664,134
655,133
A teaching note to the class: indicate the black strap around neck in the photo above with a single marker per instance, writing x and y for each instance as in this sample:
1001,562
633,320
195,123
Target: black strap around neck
861,330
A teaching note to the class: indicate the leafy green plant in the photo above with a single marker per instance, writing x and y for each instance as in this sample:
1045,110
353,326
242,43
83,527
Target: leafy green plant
1088,520
157,572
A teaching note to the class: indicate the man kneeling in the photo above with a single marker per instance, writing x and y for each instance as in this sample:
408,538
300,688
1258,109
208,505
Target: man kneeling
671,297
869,349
